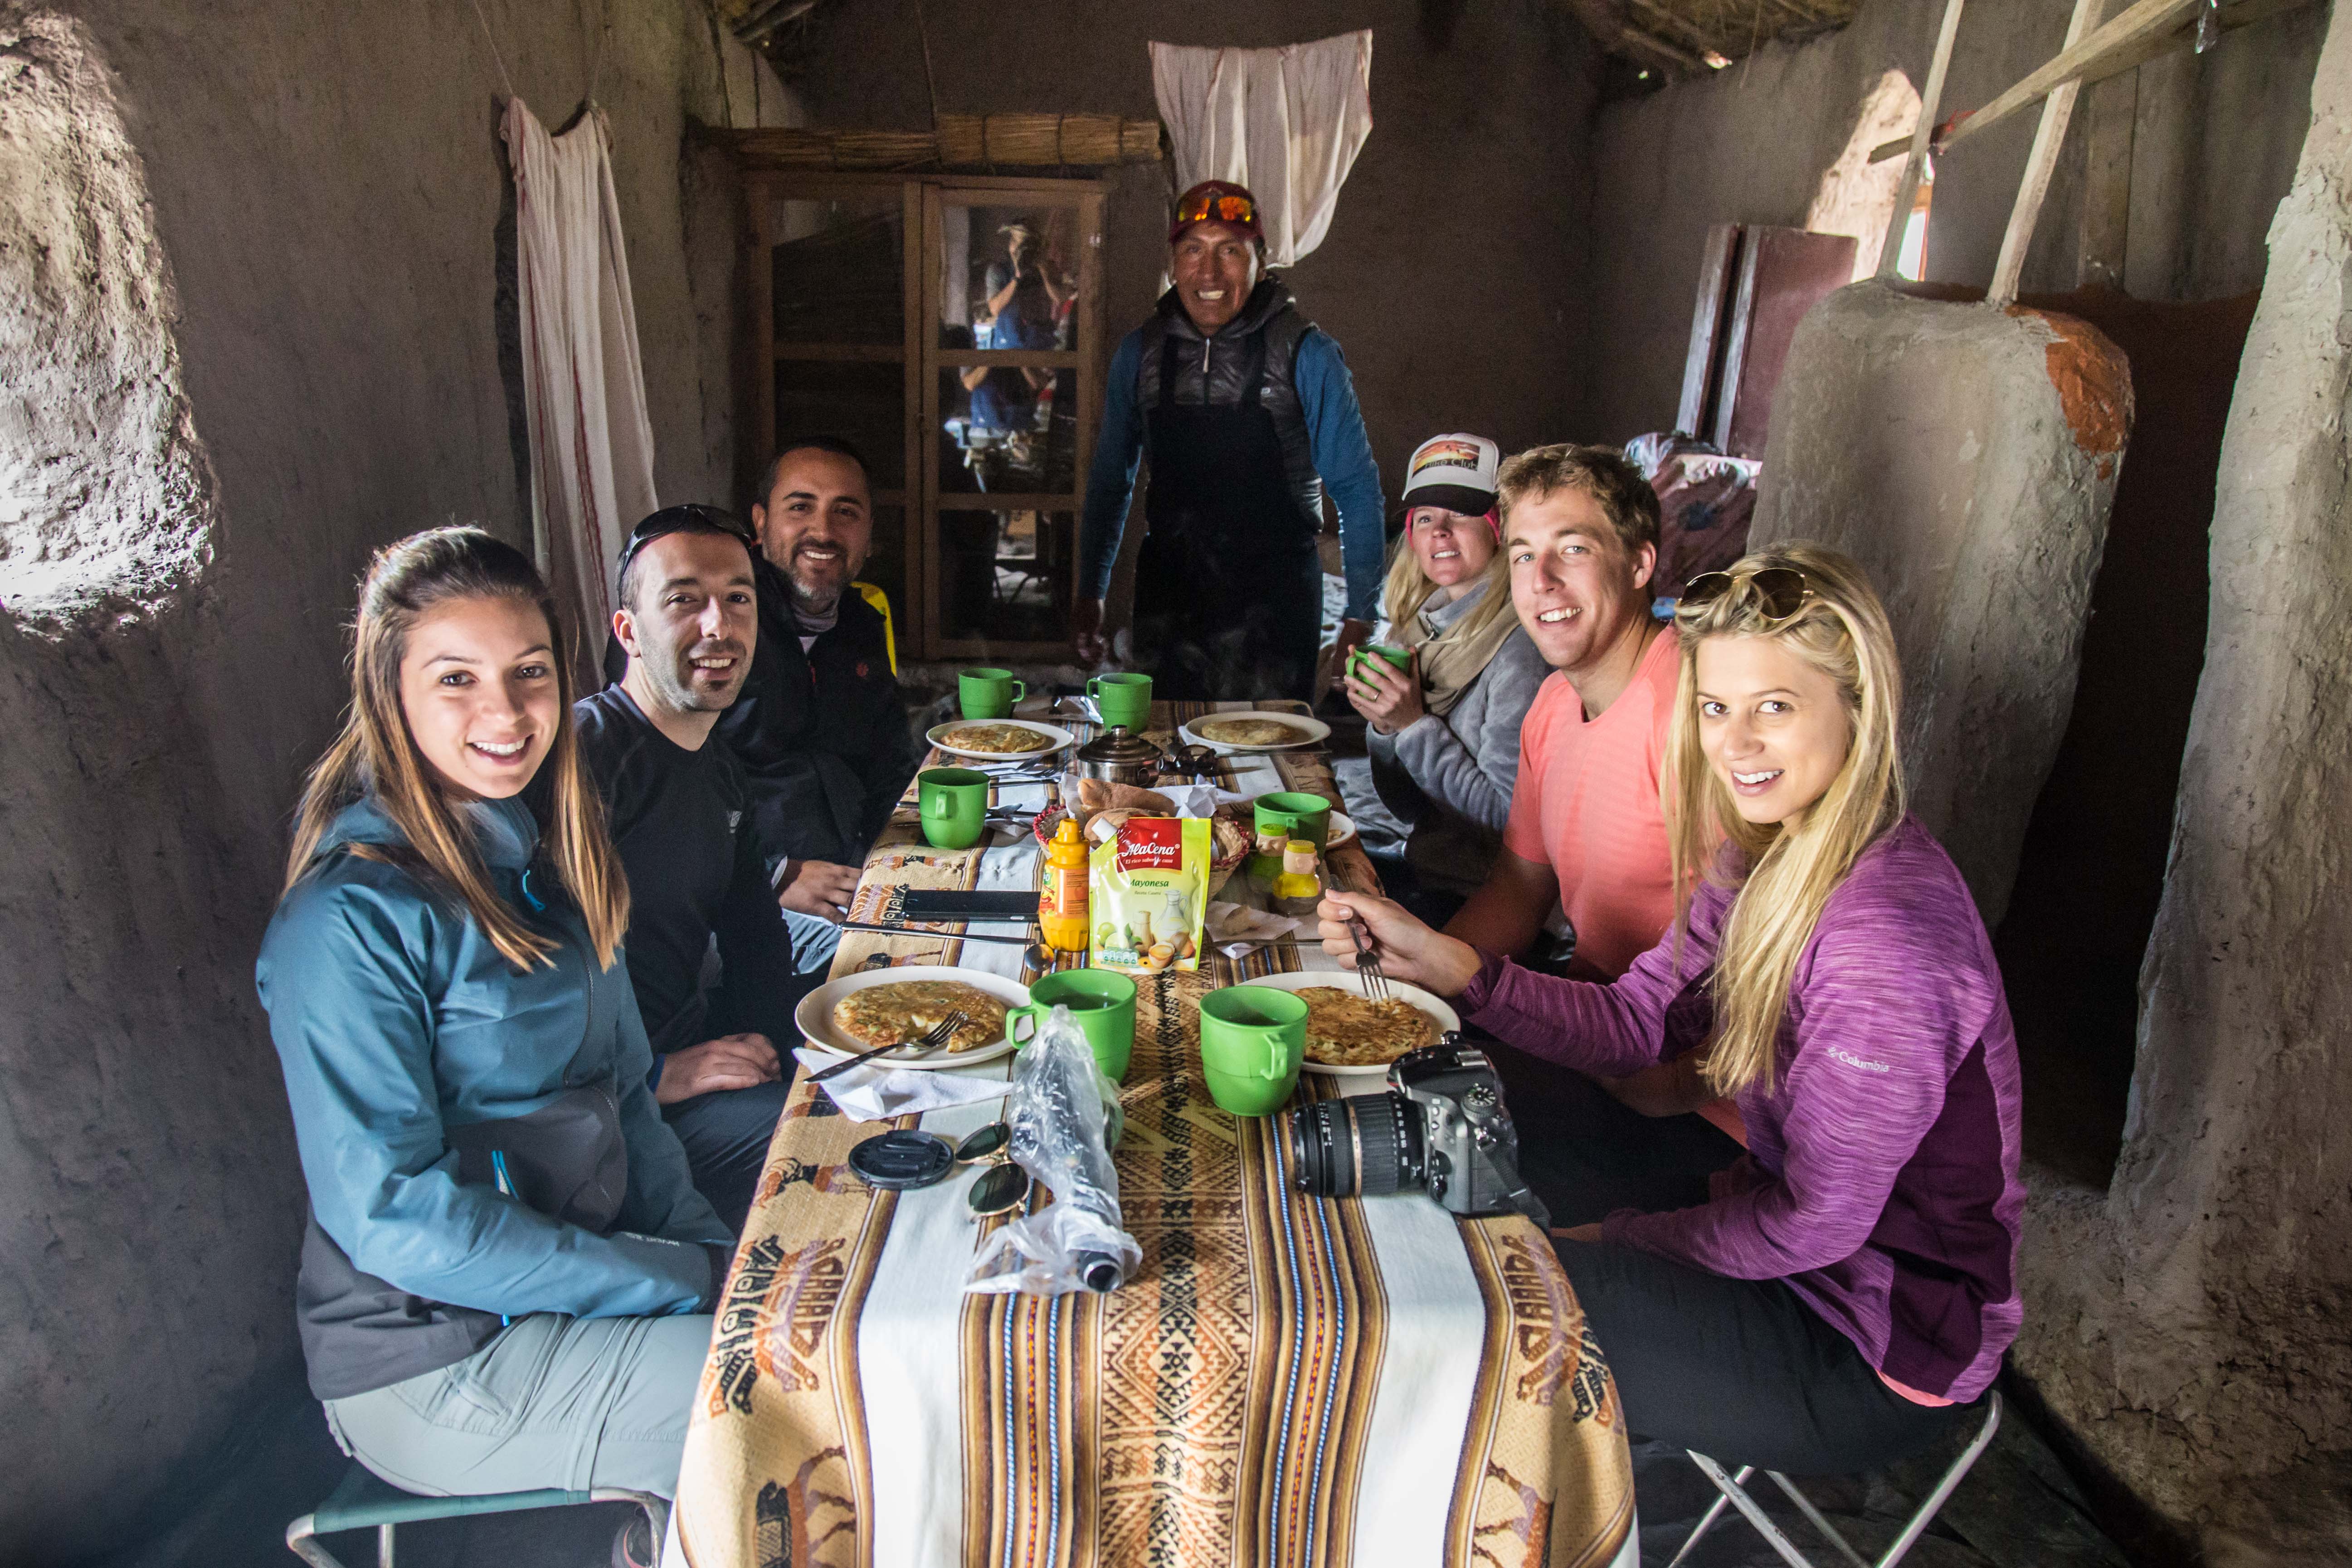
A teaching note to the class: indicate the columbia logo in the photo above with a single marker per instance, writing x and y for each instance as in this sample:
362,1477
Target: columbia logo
1854,1061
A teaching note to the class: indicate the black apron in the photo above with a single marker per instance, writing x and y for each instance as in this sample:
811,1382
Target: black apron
1229,585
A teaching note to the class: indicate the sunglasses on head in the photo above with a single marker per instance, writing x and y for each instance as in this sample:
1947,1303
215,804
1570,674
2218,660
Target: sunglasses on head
1780,592
678,519
1222,208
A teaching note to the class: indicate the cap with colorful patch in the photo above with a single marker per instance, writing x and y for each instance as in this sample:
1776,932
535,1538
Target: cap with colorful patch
1456,472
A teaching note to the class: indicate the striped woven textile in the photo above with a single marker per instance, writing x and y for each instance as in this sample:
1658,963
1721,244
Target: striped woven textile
1286,1381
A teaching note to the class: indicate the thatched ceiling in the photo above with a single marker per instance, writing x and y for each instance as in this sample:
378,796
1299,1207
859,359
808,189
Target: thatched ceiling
1668,37
1692,37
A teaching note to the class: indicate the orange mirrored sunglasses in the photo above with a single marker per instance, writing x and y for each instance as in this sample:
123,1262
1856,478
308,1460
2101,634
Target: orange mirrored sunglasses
1224,209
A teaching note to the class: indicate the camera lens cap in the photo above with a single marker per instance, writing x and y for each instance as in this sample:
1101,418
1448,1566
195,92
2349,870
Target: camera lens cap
902,1158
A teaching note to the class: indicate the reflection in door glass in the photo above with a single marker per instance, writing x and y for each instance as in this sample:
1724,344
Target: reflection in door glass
1008,428
1008,276
1005,575
839,270
865,405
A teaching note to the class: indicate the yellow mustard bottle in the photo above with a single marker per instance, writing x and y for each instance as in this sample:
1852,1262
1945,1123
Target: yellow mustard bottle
1062,899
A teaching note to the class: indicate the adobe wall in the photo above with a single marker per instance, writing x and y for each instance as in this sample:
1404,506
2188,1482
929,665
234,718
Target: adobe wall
2188,1325
2213,150
290,217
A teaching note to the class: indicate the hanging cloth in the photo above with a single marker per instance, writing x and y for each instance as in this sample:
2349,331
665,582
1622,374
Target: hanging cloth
592,443
1286,122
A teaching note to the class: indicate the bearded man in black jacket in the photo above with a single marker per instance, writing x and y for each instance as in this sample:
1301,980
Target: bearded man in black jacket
820,729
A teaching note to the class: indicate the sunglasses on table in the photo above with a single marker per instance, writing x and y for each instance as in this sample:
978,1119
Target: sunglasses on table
1779,592
678,519
1003,1187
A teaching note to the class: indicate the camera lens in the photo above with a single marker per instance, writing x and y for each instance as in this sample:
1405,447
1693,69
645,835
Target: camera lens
1366,1145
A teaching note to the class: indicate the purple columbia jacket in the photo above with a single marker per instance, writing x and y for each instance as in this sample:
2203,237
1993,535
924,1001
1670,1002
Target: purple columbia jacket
1881,1178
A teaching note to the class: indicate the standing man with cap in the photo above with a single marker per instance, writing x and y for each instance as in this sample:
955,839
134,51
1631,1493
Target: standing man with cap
1247,411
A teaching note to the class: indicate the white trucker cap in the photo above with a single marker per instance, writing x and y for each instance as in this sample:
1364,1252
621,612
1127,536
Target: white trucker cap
1456,472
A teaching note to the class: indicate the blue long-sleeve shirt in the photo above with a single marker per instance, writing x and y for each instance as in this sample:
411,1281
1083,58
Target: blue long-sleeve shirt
1336,441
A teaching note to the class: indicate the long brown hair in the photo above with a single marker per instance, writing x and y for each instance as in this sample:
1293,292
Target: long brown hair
1786,875
376,754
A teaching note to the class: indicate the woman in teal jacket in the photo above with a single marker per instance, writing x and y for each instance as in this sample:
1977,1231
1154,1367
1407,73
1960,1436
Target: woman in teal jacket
507,1274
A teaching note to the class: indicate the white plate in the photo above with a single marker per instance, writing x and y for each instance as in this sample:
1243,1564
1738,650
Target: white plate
815,1015
1342,832
1350,980
1053,735
1310,731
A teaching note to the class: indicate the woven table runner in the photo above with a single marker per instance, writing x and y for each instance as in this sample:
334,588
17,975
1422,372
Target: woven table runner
1285,1380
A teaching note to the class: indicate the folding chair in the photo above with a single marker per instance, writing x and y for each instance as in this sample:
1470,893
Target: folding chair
361,1501
1734,1490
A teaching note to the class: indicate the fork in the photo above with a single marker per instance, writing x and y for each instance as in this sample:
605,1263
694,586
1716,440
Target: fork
932,1038
1367,960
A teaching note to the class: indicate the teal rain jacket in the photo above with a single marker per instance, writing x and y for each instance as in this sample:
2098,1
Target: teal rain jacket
479,1143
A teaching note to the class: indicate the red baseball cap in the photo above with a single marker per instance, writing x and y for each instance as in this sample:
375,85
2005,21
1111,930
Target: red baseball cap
1216,201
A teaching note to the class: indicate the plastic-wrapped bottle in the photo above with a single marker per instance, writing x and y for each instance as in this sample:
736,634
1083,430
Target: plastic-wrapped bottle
1062,901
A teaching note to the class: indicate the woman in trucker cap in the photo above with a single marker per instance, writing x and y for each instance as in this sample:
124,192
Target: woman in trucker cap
1443,729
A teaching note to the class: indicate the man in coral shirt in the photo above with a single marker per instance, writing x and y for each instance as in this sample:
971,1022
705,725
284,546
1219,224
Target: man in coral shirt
1586,843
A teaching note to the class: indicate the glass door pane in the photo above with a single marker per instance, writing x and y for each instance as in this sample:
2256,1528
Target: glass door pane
1012,346
839,298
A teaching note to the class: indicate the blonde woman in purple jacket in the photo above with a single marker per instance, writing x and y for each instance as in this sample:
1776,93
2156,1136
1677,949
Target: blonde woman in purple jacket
1852,1281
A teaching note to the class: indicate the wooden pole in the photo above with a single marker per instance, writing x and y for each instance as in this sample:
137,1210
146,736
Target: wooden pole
2048,137
2136,35
1906,194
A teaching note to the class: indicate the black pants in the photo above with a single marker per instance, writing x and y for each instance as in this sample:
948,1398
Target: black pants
1212,624
1740,1369
726,1134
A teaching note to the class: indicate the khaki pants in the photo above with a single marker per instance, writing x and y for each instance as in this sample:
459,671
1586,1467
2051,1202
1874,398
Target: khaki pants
567,1403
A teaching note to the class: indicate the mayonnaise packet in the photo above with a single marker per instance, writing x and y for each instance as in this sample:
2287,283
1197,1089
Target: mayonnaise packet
1148,894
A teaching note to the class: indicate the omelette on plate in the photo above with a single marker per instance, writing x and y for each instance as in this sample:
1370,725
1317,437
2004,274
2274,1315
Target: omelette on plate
1248,731
904,1010
1345,1030
997,740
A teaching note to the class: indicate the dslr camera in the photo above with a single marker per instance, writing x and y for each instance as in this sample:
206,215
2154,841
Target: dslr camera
1440,1127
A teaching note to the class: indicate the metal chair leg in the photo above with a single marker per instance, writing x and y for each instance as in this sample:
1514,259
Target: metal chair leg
1754,1514
1805,1506
1944,1489
383,1546
302,1539
1714,1512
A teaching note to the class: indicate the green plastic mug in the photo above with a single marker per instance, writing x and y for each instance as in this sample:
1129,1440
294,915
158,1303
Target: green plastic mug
951,806
989,693
1400,656
1124,701
1102,1004
1294,815
1253,1039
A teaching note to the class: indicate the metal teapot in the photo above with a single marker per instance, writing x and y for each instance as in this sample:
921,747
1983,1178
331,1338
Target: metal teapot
1119,755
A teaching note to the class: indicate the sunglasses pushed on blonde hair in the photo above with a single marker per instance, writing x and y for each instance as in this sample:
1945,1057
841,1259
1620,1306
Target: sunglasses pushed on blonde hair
1817,604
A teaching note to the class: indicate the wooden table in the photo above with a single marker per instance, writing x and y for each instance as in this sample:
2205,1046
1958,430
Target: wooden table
1286,1380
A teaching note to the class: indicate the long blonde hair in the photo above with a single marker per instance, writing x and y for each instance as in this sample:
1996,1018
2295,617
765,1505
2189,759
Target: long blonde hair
1784,876
377,754
1409,586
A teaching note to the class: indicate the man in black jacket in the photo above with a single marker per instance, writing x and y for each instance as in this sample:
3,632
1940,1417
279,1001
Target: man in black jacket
820,728
675,803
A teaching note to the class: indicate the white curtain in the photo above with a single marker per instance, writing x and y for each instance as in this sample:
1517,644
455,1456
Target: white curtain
1286,122
592,444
